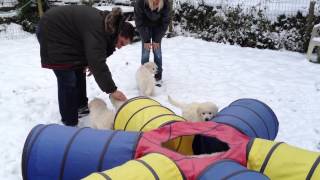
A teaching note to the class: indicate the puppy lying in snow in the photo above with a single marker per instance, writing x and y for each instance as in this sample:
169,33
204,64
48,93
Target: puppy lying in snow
100,116
196,111
145,78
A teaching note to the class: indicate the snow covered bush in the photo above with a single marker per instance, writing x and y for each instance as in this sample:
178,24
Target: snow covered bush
291,31
28,16
7,20
244,27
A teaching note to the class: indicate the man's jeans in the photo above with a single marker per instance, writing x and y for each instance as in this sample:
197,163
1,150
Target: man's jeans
72,94
157,59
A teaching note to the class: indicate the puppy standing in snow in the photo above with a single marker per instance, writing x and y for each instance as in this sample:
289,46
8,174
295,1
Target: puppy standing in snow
100,116
145,78
196,111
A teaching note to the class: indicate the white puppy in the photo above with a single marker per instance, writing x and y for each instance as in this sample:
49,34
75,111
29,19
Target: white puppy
100,116
116,103
196,111
145,78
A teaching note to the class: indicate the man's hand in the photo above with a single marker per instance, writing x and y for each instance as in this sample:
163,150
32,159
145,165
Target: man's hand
147,46
155,46
118,95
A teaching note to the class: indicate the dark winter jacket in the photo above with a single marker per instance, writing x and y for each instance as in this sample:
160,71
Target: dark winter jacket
146,19
74,37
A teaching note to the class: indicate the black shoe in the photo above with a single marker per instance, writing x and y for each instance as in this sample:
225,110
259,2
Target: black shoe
159,83
158,78
83,111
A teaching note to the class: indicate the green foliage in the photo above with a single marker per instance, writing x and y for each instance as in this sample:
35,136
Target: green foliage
87,2
247,28
28,15
7,20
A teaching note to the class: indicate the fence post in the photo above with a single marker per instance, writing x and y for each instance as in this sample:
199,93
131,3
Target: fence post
40,9
171,15
310,24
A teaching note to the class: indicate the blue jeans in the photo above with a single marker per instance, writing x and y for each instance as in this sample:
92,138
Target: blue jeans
72,94
157,59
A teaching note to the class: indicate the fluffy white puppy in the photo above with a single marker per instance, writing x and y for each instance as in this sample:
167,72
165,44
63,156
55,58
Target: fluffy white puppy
196,111
100,116
116,103
145,78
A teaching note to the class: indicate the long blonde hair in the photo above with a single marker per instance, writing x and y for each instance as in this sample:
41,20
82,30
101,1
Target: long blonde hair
150,3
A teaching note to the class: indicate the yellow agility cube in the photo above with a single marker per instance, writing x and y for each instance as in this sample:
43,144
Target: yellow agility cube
280,161
152,166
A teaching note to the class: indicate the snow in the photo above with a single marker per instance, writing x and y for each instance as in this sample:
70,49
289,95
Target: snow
316,39
11,13
8,3
12,31
194,70
122,1
317,26
124,9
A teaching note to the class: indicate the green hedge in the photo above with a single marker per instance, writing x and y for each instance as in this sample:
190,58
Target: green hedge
244,27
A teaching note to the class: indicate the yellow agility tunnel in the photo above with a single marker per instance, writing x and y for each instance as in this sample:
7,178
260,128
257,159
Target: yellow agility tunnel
145,114
152,166
281,161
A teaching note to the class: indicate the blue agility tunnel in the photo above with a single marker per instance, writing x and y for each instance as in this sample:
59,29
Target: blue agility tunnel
231,170
55,152
250,116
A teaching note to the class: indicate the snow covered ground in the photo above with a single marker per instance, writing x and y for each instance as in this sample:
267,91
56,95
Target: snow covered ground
12,31
194,70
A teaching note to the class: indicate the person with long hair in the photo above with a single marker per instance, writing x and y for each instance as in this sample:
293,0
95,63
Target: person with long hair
73,38
152,18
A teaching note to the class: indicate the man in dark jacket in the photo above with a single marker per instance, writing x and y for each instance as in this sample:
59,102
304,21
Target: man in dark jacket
75,37
152,20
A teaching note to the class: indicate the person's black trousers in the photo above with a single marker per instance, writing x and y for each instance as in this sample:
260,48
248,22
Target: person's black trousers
72,94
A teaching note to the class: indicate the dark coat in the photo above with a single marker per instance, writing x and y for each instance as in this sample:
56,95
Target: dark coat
73,37
148,21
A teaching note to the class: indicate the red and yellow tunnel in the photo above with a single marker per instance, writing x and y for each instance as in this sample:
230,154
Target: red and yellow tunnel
145,114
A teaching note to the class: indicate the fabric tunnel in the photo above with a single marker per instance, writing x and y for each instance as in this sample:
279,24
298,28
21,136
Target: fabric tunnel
192,166
250,116
152,166
145,114
282,161
55,152
229,170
